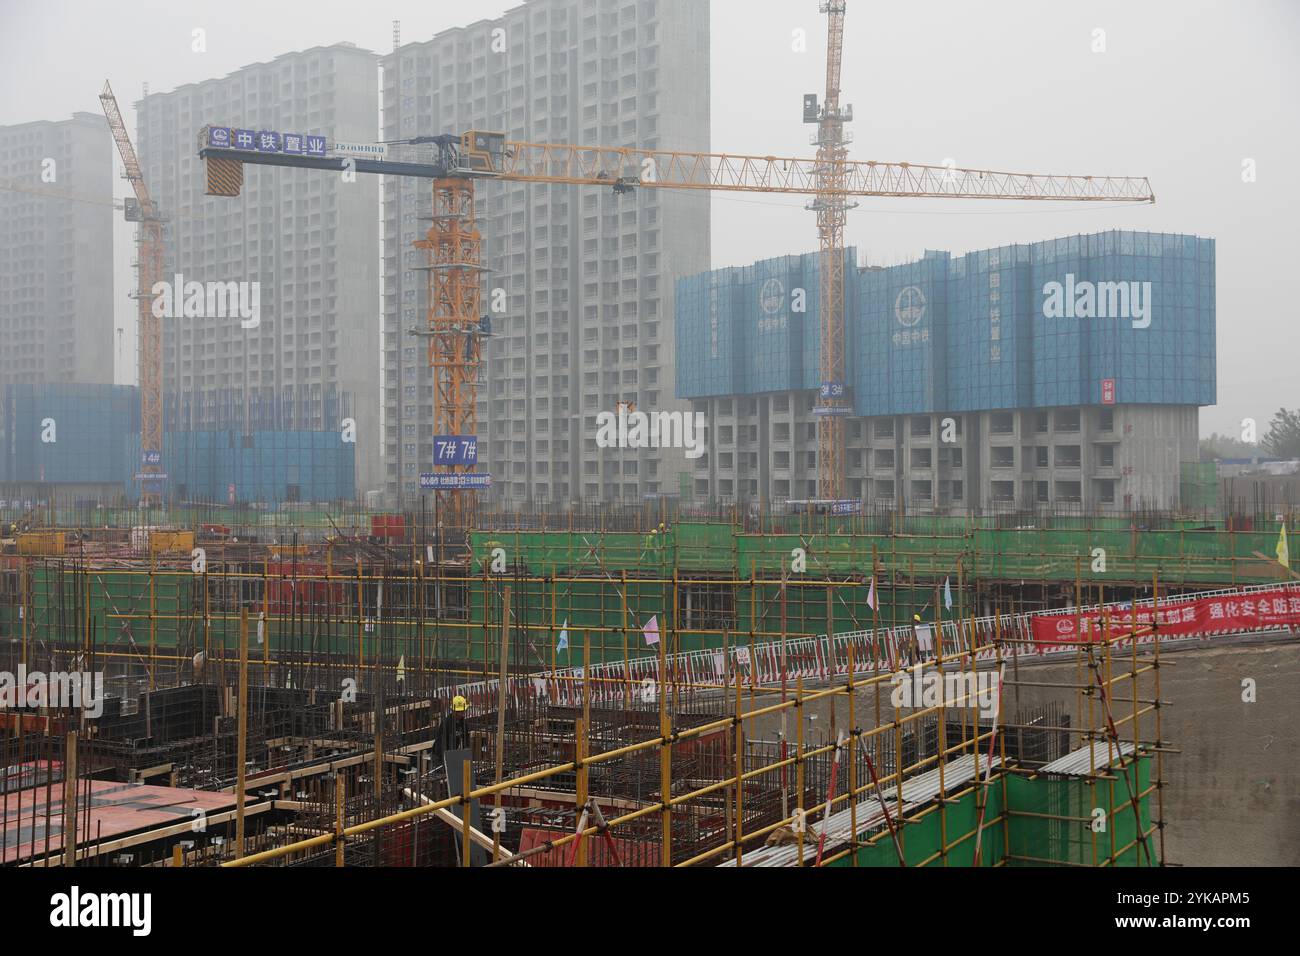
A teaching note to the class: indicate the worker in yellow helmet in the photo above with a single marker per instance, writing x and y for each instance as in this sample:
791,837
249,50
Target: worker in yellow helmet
453,732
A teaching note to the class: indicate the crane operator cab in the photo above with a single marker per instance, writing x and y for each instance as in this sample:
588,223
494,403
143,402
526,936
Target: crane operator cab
482,152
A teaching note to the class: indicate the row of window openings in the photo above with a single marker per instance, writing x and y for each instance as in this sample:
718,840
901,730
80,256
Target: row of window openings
495,209
558,108
418,74
608,91
558,42
522,465
591,291
922,490
1067,421
1000,423
1067,456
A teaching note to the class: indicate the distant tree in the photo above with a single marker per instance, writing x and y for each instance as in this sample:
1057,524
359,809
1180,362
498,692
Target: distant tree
1283,438
1226,446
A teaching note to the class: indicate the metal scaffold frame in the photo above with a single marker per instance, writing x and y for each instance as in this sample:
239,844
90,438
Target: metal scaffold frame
752,724
923,790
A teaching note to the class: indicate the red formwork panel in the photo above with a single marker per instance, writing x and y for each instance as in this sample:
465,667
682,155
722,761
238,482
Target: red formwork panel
388,527
300,587
115,810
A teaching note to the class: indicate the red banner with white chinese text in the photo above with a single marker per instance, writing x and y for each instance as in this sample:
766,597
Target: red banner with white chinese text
1211,615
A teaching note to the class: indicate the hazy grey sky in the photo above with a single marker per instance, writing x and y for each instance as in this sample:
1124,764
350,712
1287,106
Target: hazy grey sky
1184,92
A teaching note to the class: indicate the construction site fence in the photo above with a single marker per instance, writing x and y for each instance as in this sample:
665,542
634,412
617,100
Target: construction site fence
52,507
1192,555
316,626
822,658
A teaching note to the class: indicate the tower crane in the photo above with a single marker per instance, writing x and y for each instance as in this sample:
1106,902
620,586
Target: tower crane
831,205
149,269
453,244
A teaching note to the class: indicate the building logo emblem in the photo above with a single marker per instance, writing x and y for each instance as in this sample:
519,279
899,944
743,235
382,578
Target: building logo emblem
772,296
909,307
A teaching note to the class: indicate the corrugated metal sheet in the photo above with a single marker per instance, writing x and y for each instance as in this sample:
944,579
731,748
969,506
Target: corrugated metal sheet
917,791
1099,755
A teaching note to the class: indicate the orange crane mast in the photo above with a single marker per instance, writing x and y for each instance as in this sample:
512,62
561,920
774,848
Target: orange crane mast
831,207
149,270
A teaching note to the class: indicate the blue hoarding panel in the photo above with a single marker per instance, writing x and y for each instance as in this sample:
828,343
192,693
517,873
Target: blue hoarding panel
1043,324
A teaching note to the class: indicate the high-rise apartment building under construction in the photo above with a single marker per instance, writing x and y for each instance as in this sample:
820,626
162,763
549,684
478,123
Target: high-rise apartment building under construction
56,278
1067,373
582,279
307,240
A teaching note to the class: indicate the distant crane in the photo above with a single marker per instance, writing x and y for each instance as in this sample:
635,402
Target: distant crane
835,181
10,185
149,270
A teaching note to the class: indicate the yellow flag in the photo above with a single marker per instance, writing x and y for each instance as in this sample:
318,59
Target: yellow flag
1283,553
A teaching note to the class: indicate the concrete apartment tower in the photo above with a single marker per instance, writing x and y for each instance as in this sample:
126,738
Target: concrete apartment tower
310,239
587,276
56,255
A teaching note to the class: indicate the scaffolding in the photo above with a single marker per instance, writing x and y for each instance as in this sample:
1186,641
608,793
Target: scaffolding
662,684
952,788
625,741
